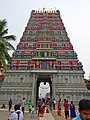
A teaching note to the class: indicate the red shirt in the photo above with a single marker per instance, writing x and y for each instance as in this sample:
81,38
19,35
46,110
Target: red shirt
66,106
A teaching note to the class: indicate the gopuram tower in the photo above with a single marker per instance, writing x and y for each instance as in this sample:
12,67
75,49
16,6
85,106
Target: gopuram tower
44,54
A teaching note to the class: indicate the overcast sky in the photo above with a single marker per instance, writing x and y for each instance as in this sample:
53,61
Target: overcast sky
74,13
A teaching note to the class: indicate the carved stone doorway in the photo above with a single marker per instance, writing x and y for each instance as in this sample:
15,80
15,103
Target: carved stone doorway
43,79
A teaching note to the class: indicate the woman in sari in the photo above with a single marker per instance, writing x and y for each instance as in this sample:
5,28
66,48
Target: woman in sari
72,110
59,108
42,110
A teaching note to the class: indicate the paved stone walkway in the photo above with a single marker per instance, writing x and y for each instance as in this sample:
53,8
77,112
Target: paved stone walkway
4,115
47,116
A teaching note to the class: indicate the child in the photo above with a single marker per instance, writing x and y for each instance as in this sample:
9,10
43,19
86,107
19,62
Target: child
32,112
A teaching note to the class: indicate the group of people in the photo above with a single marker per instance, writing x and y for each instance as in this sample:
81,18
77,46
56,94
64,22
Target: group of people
84,109
69,108
20,109
40,107
18,113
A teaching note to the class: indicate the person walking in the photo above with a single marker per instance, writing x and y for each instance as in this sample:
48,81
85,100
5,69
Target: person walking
10,104
50,103
29,106
39,106
84,110
23,105
72,110
42,109
17,114
54,104
47,107
59,108
66,109
32,112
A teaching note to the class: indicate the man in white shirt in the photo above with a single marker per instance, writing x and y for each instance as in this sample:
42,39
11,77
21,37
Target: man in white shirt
17,115
23,105
54,103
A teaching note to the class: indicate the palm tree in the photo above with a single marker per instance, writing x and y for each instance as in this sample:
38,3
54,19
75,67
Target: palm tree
5,44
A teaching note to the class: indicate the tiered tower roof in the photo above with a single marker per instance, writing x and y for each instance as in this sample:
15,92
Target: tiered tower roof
45,45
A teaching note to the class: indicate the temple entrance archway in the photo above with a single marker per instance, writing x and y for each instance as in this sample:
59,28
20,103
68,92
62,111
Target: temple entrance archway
44,79
44,90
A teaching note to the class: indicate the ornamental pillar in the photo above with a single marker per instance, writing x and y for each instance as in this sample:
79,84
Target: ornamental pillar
34,89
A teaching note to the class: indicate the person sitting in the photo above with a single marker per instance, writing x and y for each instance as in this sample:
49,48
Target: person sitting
17,115
84,110
3,106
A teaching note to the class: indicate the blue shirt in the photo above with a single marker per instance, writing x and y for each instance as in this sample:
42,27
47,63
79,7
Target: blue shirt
77,118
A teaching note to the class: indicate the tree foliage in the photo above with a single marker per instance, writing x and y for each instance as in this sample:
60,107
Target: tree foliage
5,45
